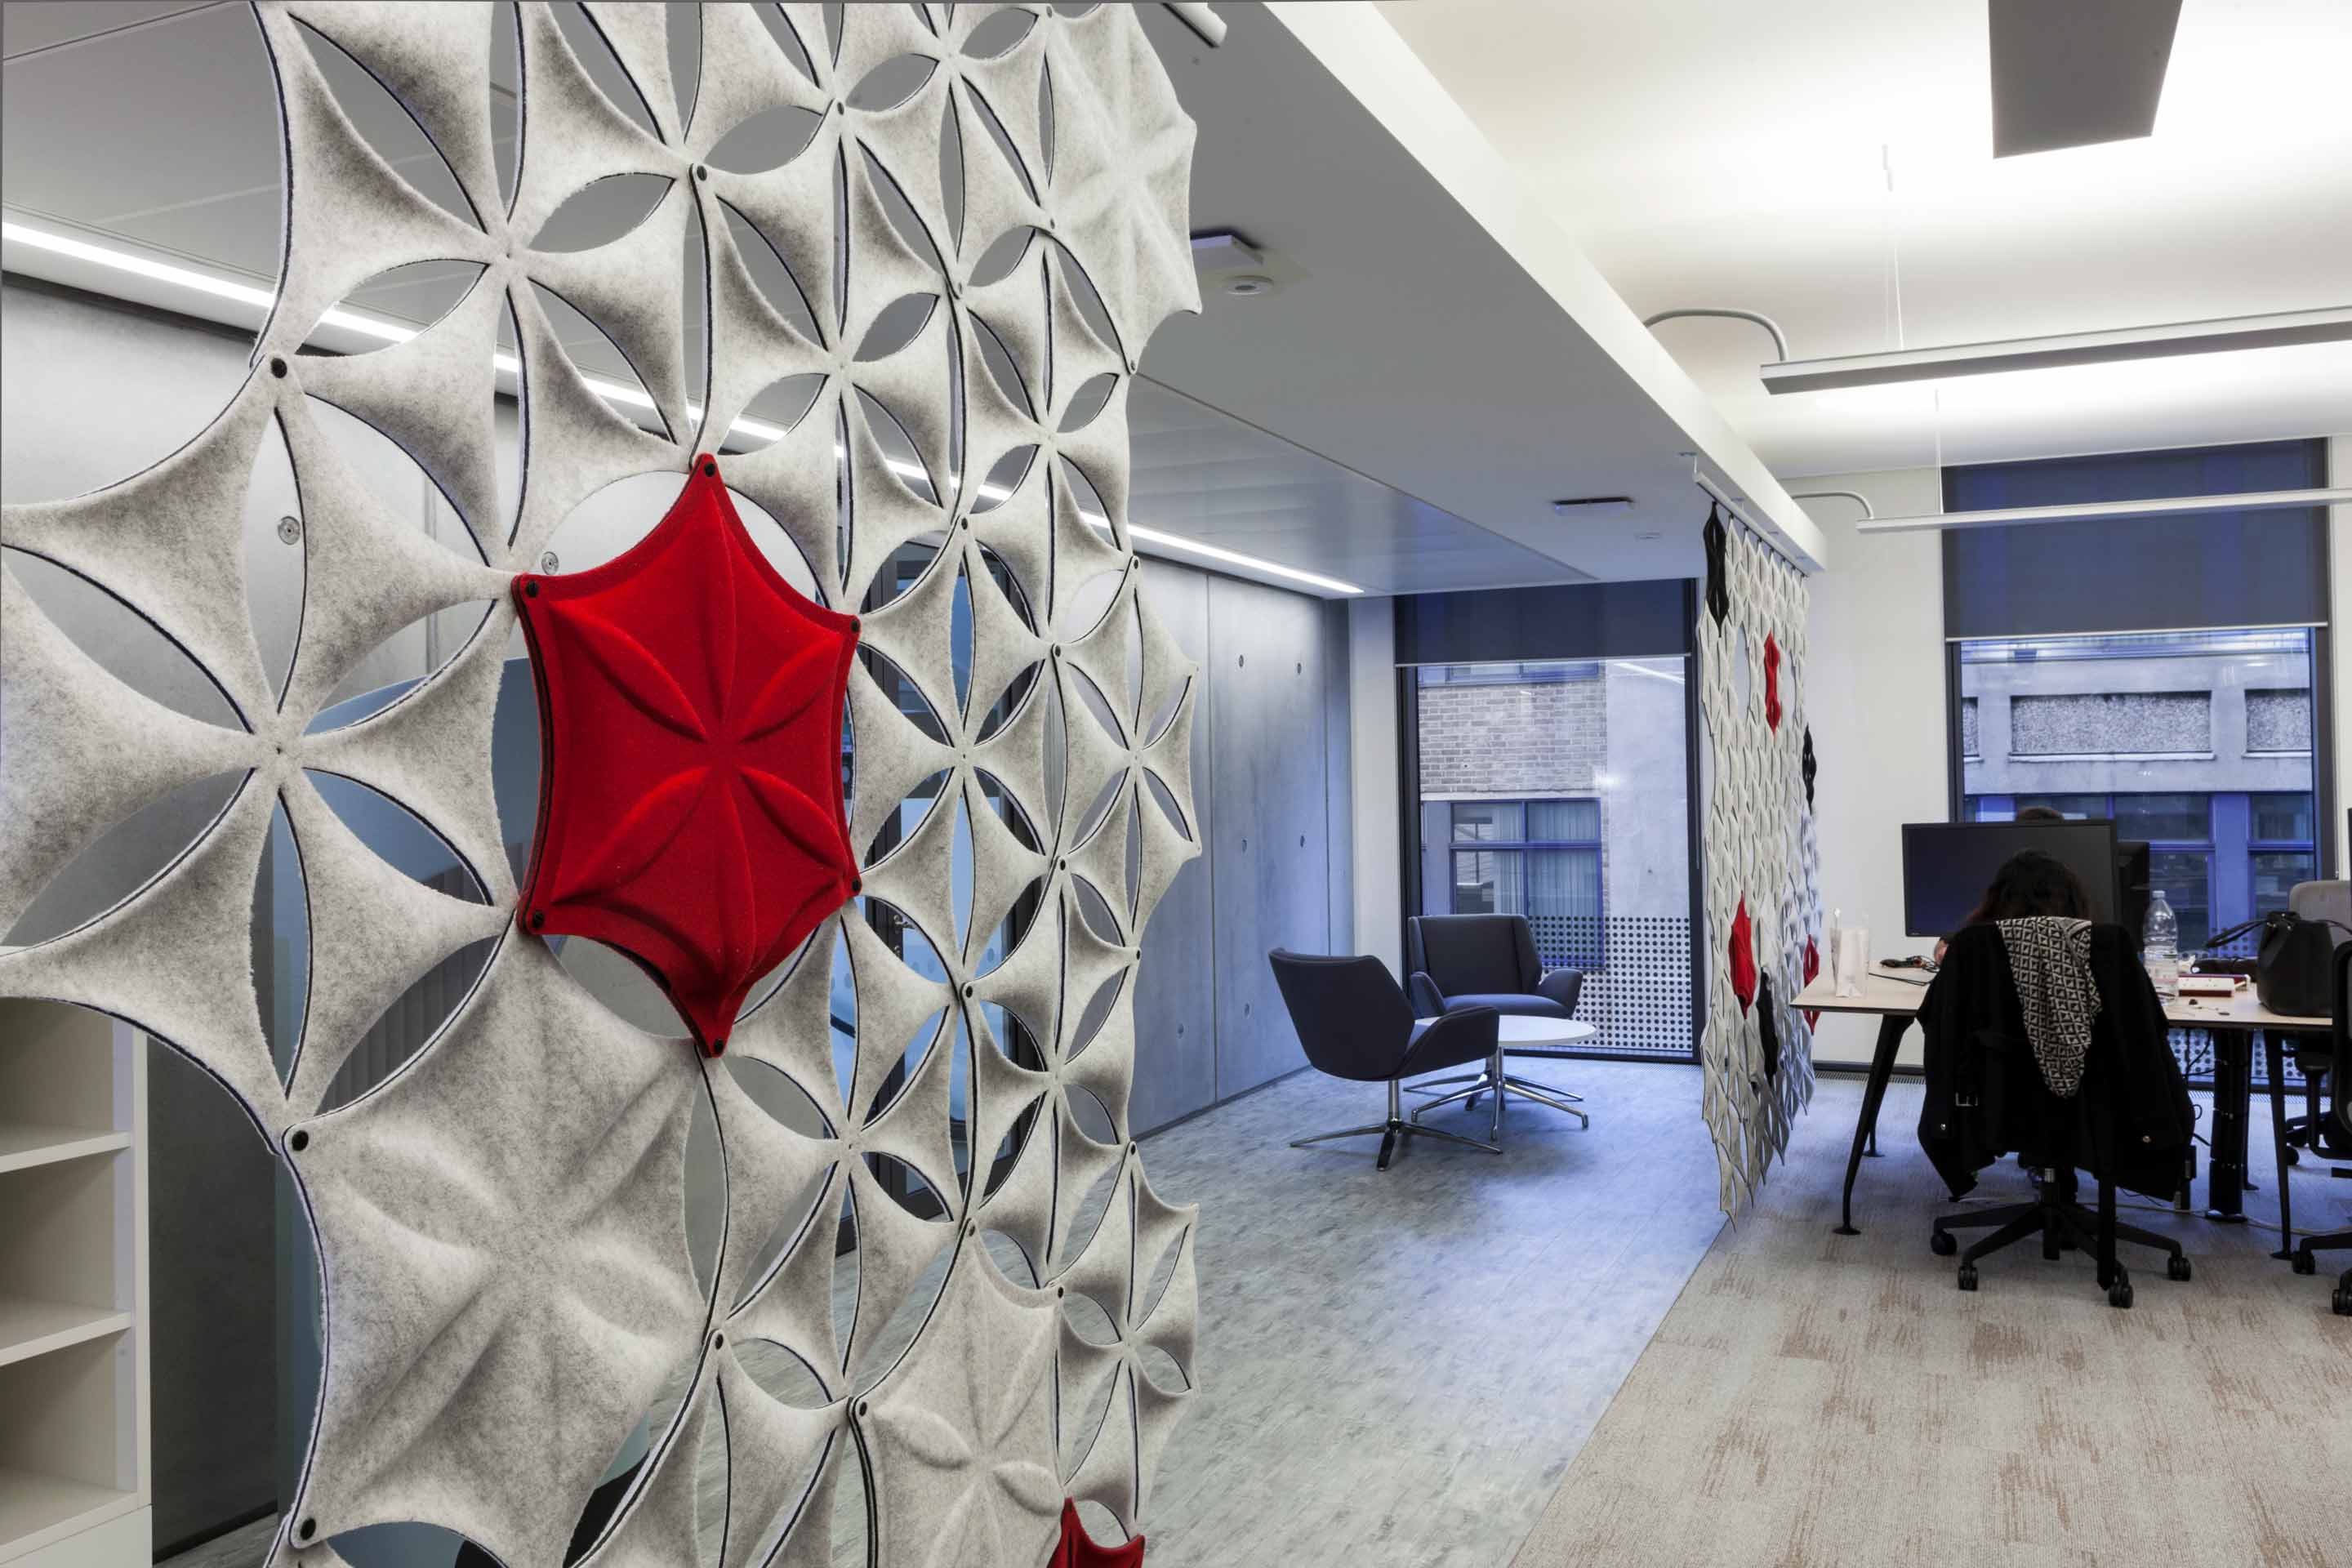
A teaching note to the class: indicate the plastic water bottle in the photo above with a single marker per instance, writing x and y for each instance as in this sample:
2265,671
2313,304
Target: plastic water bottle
2160,946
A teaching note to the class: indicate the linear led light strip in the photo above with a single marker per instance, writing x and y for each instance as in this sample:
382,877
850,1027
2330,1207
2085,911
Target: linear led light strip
390,332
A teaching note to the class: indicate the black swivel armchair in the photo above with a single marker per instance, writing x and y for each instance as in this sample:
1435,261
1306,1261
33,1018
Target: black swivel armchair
1355,1023
1489,961
2340,1038
1485,960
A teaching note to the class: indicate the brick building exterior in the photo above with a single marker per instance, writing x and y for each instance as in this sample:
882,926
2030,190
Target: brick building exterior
1494,740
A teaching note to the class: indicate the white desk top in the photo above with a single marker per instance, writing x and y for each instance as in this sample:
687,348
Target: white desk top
1884,995
1518,1029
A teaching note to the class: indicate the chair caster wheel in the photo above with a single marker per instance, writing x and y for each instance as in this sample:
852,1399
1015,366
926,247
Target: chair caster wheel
2176,1267
2306,1263
2119,1294
2294,1155
2342,1300
1967,1276
1943,1243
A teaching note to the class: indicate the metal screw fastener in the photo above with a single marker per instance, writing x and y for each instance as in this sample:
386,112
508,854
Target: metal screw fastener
289,530
549,563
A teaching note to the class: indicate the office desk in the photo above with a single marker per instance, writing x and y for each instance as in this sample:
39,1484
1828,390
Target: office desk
2234,1021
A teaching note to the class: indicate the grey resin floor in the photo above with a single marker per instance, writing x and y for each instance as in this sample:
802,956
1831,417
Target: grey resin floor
1396,1368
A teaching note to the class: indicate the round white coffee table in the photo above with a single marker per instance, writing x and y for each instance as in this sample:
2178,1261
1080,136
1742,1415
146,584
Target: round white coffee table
1514,1032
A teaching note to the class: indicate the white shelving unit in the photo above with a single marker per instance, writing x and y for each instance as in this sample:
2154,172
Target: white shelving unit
74,1481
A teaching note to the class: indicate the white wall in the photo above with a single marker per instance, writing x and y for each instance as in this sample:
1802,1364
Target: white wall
1876,702
2339,680
1372,759
1877,706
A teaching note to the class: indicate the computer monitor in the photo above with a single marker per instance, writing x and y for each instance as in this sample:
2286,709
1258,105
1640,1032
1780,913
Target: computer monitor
1947,866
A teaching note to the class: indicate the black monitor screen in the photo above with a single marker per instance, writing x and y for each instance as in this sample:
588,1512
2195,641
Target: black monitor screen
1947,866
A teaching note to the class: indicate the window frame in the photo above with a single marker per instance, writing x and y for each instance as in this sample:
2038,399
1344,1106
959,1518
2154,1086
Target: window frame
1522,847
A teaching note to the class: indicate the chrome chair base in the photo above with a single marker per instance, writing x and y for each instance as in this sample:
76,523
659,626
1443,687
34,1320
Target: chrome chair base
1394,1132
1494,1081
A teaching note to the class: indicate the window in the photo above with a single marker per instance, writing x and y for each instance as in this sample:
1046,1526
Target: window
2282,849
1544,863
2165,819
2074,808
2144,728
1558,791
2282,819
1511,674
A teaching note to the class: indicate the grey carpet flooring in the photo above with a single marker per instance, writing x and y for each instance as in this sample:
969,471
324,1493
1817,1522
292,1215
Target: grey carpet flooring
1814,1401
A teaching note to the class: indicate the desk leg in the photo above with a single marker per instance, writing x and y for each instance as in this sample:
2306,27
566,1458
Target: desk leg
2278,1142
1874,1092
2225,1173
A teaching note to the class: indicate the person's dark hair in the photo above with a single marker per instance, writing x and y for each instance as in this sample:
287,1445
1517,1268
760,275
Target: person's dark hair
2033,883
2040,813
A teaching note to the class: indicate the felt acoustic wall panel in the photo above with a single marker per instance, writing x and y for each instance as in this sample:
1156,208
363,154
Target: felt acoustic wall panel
690,808
506,1283
1762,859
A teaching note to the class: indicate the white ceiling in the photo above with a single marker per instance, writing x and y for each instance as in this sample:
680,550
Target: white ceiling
192,173
1726,153
1400,414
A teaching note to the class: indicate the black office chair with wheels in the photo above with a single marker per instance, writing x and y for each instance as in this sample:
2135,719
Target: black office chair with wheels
2321,1059
1987,1094
2340,1037
1354,1021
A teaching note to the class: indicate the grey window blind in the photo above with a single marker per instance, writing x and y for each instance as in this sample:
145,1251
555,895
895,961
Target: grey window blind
1582,620
2171,573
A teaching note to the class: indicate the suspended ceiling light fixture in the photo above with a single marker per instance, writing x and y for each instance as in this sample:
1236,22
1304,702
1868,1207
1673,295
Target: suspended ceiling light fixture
2284,328
382,330
2250,500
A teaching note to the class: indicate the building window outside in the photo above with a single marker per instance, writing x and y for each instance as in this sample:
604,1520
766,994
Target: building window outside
1540,858
1559,790
2187,740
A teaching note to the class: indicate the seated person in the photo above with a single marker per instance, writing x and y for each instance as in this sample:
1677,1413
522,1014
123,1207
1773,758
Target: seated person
1979,915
